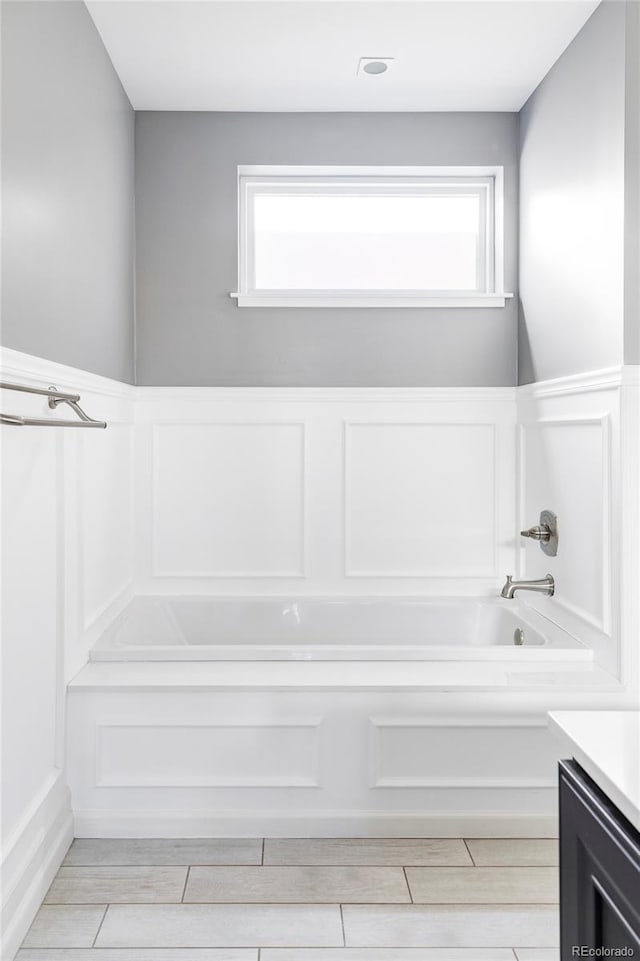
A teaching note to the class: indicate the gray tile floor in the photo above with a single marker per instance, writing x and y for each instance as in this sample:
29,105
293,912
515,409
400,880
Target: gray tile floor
301,900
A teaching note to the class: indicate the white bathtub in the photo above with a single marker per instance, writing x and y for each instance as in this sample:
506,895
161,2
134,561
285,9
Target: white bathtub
332,629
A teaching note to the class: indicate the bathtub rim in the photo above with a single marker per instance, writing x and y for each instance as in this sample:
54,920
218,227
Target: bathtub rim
562,645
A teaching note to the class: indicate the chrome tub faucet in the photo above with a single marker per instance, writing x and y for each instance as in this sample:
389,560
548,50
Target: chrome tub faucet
545,585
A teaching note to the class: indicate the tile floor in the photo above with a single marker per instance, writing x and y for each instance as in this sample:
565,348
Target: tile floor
301,900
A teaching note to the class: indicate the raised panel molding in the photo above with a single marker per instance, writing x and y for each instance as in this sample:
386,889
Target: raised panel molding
104,492
427,503
596,517
228,753
455,752
261,506
305,537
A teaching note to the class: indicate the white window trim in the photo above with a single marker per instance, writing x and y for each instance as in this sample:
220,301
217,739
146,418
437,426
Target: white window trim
249,176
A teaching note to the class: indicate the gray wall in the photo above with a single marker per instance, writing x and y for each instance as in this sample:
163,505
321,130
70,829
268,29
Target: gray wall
189,331
632,187
572,190
67,182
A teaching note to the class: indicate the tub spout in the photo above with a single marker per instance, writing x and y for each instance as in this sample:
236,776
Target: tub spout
545,585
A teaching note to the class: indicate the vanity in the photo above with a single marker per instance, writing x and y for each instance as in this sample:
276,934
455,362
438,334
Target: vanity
599,833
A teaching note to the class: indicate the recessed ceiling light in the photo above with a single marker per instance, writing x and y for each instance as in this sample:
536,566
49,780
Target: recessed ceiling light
374,66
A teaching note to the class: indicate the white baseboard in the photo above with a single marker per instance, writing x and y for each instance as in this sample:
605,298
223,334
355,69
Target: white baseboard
151,824
32,856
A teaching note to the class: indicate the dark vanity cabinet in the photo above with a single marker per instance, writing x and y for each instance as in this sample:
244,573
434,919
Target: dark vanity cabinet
599,872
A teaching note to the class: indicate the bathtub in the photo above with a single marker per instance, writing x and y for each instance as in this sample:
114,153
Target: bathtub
153,628
321,716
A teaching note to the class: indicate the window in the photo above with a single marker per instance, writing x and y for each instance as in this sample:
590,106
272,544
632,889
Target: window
372,236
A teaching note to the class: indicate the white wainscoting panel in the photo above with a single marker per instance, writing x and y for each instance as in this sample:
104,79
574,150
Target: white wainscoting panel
225,754
160,761
32,651
463,752
326,491
105,489
627,541
569,462
67,558
228,500
420,500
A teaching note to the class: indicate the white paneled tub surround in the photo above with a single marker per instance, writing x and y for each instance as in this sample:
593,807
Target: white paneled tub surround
578,455
334,629
266,501
325,491
290,749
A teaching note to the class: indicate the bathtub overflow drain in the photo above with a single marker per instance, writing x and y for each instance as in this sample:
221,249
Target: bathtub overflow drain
518,637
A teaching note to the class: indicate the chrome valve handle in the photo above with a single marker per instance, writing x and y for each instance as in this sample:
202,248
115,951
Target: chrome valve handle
545,533
540,532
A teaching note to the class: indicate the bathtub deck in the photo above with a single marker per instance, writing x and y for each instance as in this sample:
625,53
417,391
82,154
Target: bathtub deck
327,899
357,676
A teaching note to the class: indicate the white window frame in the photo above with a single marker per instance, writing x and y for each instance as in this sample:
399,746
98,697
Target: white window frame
486,182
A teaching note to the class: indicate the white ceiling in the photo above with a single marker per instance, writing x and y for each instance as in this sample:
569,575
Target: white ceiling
303,54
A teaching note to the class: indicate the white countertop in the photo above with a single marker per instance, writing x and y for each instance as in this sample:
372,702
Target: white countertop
607,745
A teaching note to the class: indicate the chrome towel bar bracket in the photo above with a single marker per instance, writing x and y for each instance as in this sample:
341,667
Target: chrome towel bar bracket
56,397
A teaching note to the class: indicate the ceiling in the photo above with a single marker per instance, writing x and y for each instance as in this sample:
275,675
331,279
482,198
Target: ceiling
303,54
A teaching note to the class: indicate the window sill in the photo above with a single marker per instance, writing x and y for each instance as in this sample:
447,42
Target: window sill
359,300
